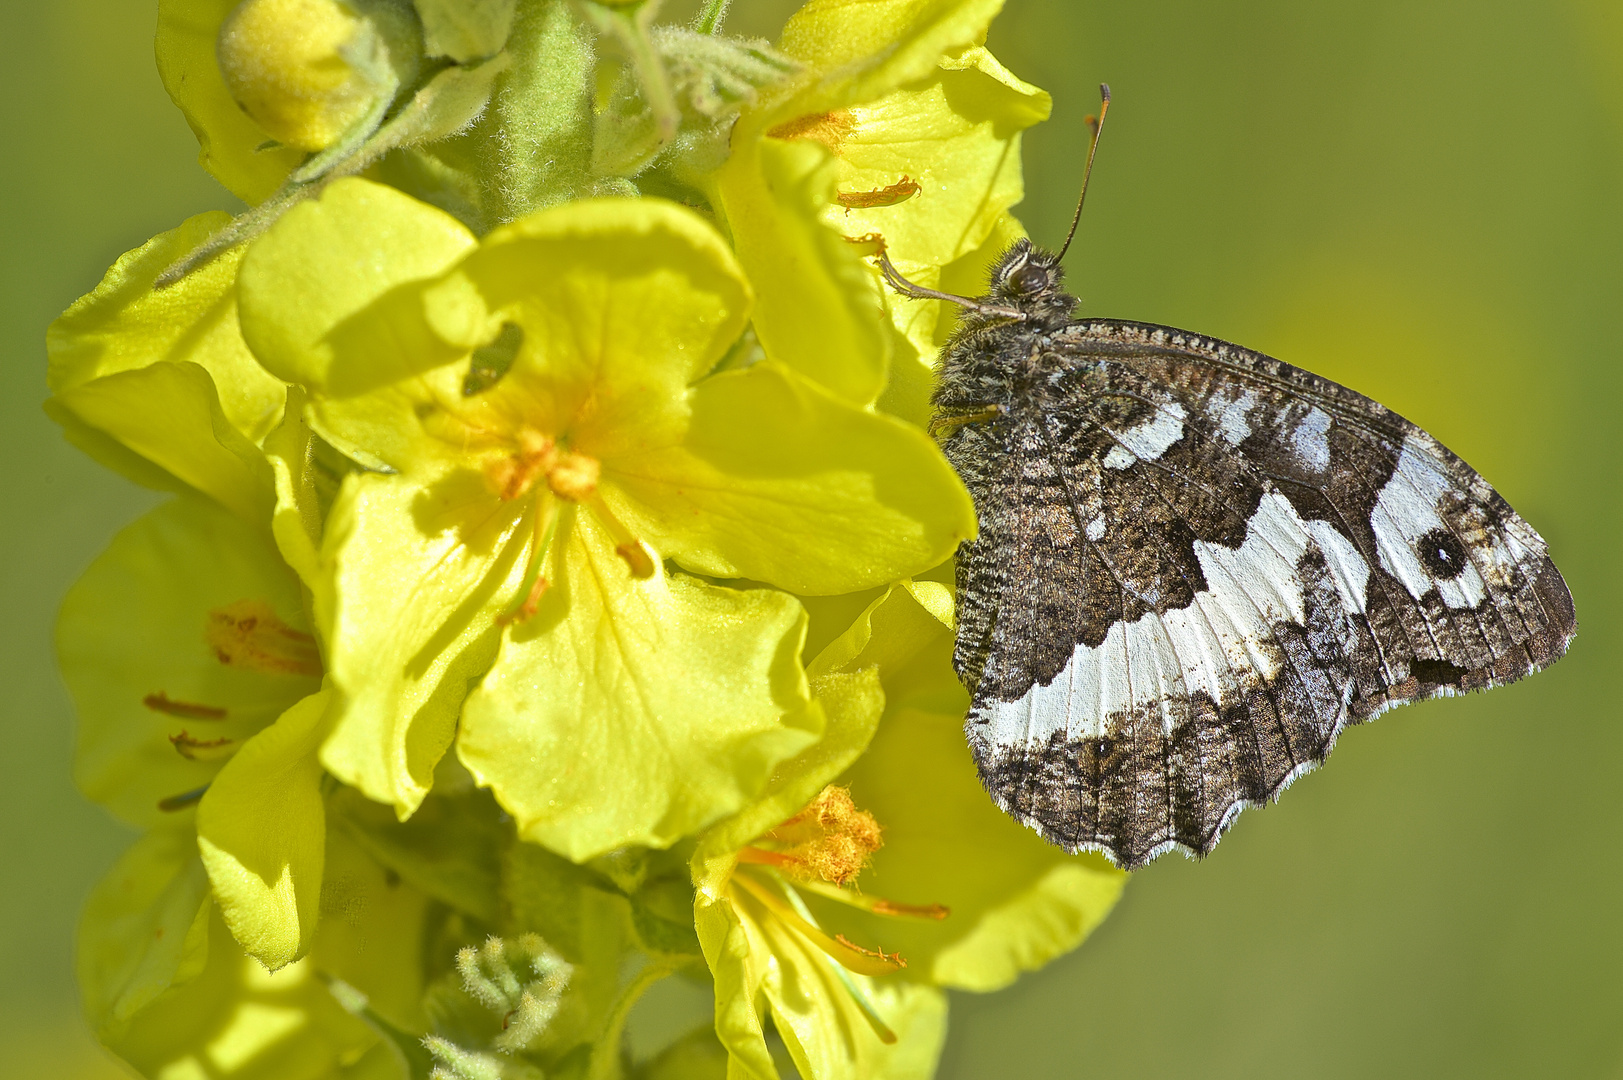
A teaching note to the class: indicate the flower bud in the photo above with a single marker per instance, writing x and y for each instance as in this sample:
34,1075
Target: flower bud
307,71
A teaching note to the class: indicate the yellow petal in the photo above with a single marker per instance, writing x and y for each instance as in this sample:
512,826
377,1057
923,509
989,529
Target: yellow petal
780,481
819,307
170,415
262,831
657,705
420,573
144,928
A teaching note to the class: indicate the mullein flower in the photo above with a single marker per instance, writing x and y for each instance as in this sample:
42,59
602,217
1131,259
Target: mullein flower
198,684
961,897
902,130
1016,902
186,645
546,426
834,1000
570,497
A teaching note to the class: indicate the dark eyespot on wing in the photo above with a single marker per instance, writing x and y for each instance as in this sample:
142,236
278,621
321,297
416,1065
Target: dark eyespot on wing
1197,565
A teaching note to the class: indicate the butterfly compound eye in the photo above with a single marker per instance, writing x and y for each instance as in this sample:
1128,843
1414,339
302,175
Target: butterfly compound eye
1031,278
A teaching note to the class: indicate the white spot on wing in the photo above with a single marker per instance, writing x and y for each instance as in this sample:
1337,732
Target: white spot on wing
1347,566
1405,512
1212,646
1232,416
1149,440
1312,440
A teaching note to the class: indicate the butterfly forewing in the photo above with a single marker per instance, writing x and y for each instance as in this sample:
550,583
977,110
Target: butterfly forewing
1196,565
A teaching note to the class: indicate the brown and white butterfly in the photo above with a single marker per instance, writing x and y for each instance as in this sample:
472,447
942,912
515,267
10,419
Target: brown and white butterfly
1196,565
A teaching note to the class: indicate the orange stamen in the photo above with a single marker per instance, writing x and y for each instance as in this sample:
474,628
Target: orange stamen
248,634
830,128
851,957
878,954
186,710
192,748
889,195
917,911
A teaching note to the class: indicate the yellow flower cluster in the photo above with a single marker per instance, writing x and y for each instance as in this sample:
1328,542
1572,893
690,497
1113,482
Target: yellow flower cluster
552,578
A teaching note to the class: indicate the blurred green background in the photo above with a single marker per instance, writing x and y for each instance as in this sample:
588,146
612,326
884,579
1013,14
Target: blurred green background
1419,198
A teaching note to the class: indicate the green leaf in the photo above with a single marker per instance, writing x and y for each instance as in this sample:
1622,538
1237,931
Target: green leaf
546,894
131,641
450,102
450,849
372,931
262,831
780,481
420,572
144,928
533,146
464,30
660,704
819,309
229,143
587,923
698,1055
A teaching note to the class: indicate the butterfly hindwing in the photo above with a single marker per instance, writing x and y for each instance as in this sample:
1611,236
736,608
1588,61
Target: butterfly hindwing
1196,565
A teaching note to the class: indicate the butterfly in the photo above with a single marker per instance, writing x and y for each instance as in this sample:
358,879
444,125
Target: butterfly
1197,565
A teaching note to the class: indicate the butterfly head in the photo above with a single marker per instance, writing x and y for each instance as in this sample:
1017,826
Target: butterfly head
1031,281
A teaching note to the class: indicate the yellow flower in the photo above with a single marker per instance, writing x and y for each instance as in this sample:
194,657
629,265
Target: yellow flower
961,896
556,421
904,129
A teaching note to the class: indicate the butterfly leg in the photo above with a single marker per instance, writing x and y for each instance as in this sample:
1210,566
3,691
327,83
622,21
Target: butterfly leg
943,426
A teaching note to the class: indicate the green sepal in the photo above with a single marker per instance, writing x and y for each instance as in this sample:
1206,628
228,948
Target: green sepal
372,933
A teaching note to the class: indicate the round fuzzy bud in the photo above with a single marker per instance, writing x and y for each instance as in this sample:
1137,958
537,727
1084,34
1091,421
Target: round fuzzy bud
308,70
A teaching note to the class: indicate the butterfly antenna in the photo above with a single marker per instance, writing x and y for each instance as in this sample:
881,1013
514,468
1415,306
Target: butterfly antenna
1097,124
